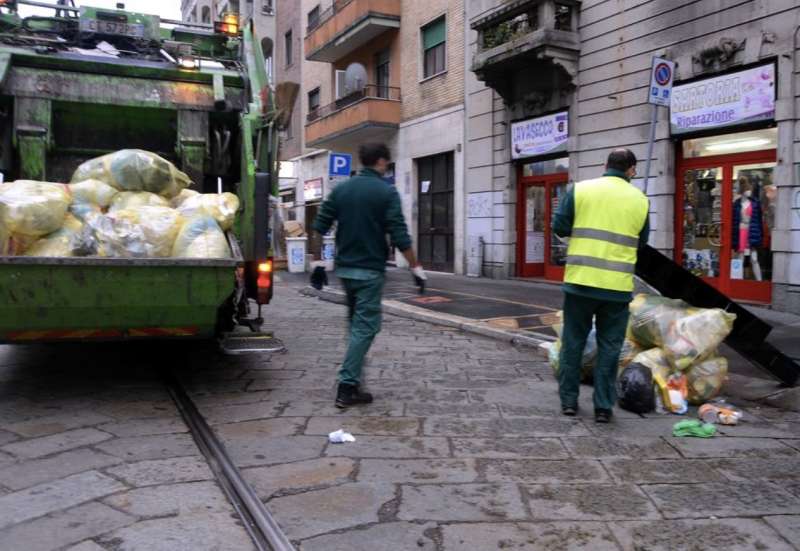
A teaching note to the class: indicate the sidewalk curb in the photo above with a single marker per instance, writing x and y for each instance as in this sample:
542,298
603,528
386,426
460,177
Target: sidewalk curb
532,340
752,389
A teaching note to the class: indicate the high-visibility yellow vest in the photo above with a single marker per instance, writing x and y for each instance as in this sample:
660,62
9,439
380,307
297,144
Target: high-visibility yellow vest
609,216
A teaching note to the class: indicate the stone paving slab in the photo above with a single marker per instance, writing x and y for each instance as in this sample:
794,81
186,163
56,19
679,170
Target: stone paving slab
326,408
787,526
391,447
321,511
46,445
735,534
461,502
569,471
160,446
63,528
509,448
722,499
145,427
455,410
194,531
773,468
171,499
389,536
425,471
300,475
52,424
589,502
253,452
620,446
572,536
54,496
373,426
87,545
27,473
261,428
162,471
240,412
726,447
516,426
652,471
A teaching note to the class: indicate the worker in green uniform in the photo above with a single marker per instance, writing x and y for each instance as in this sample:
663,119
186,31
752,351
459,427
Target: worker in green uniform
366,208
606,220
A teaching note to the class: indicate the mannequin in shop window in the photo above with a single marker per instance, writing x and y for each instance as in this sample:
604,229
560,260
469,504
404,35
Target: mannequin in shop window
748,233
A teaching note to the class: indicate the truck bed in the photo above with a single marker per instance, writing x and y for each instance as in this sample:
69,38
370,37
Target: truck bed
52,299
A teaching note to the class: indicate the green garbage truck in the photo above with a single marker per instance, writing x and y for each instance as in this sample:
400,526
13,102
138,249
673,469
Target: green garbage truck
83,82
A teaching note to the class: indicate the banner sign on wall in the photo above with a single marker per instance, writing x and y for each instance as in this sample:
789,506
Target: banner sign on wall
539,136
735,98
312,189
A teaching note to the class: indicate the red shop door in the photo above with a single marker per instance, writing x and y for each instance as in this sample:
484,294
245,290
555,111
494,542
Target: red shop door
539,252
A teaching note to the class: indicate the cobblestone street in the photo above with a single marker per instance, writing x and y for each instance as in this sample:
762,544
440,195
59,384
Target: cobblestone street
463,449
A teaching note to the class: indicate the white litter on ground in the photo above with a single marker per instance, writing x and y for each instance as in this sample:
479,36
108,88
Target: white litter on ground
340,437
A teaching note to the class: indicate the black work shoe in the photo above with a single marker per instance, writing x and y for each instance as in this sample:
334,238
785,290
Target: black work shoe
350,395
602,416
569,411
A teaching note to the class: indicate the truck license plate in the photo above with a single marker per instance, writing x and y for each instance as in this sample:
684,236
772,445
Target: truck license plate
135,30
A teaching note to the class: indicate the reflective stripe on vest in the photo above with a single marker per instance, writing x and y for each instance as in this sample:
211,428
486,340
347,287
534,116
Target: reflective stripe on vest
609,215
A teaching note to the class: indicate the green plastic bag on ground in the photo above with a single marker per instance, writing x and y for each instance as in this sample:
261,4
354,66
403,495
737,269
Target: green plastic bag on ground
705,379
220,206
30,208
92,192
135,170
133,199
201,237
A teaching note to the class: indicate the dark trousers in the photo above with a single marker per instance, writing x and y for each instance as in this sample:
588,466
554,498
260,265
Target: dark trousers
364,304
611,320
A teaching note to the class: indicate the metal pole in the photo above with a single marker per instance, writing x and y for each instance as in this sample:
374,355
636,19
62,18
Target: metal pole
653,121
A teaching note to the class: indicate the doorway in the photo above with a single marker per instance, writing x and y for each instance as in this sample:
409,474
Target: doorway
435,186
725,216
540,253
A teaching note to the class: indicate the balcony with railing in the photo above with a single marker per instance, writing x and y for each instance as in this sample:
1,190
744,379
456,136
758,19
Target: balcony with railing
347,25
519,31
369,114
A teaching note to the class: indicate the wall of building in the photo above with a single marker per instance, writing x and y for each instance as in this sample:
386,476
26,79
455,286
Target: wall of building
288,17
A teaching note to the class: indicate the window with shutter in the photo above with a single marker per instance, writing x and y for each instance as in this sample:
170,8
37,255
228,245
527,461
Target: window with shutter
434,43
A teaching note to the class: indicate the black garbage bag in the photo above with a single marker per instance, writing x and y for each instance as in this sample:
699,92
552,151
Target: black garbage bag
635,389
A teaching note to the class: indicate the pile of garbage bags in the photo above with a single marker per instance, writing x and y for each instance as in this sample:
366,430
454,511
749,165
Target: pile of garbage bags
129,204
669,358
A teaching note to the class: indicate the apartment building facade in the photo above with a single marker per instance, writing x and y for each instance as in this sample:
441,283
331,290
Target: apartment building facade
554,85
389,71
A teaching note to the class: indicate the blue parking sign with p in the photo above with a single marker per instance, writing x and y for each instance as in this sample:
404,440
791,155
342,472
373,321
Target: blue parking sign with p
339,164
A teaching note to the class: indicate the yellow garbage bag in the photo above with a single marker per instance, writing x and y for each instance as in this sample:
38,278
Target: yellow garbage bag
135,170
81,210
221,206
133,199
33,208
178,200
201,237
159,226
695,337
62,242
656,361
116,236
630,349
706,379
93,192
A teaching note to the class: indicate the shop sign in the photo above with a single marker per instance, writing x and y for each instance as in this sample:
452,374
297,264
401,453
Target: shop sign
539,136
312,189
735,98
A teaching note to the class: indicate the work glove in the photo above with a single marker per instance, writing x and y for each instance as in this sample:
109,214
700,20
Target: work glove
419,278
319,278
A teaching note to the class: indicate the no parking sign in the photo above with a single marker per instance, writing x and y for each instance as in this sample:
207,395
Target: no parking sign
661,77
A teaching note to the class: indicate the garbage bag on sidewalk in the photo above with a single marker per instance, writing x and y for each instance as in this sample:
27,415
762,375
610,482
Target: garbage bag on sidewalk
220,206
178,200
705,379
587,359
635,389
630,349
201,237
132,199
651,317
135,170
93,192
32,208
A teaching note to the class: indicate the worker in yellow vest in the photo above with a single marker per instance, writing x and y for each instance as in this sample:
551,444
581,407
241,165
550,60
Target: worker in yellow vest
606,220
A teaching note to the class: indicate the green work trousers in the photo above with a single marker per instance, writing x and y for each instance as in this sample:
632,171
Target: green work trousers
364,302
611,320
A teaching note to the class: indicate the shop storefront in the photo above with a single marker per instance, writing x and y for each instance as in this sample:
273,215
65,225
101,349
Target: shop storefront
539,148
312,195
725,193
